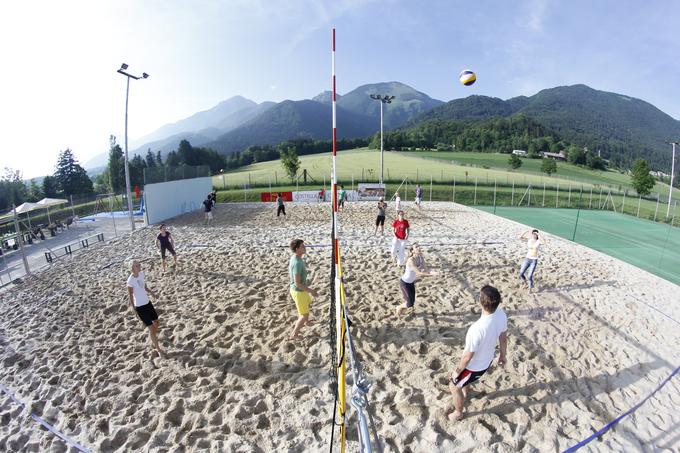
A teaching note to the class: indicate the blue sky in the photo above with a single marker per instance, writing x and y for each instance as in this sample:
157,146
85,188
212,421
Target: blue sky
60,87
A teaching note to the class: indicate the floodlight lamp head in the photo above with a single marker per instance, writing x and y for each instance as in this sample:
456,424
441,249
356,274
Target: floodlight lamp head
375,96
123,66
145,75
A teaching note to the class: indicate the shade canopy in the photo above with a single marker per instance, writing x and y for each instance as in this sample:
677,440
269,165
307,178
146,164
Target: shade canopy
27,207
47,202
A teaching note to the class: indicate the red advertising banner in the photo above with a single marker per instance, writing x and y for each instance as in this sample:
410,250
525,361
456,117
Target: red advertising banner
271,196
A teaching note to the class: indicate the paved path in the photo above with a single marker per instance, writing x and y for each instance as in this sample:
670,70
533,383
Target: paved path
11,263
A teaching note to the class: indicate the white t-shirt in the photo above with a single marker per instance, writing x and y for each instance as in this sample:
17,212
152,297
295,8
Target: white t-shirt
409,274
481,339
532,248
138,291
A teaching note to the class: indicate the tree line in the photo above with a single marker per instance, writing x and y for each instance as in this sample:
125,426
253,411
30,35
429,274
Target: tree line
69,178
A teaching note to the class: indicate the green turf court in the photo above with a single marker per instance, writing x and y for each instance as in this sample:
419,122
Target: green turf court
650,246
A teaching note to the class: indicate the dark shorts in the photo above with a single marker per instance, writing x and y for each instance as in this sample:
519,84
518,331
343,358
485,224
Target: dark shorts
147,313
467,377
408,290
169,249
280,210
380,220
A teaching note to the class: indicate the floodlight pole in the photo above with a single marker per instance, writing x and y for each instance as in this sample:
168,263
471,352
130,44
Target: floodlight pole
127,166
670,191
382,151
384,99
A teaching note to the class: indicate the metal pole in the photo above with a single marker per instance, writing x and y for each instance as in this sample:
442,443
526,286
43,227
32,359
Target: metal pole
127,166
543,204
113,217
453,198
569,197
20,240
670,190
578,214
590,203
599,199
224,184
430,188
512,198
624,201
9,274
494,195
381,143
639,201
73,212
657,206
557,197
475,199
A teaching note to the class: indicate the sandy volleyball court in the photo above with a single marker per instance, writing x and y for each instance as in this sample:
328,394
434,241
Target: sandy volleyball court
582,351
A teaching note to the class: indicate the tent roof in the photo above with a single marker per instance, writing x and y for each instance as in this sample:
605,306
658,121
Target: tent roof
27,207
45,202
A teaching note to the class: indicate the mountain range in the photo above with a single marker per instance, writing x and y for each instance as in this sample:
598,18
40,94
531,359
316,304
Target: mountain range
617,125
613,123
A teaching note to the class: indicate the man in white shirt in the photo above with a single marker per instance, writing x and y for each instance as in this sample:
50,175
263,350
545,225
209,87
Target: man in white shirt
480,347
140,302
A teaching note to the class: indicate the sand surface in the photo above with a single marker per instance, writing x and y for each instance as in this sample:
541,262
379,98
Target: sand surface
584,349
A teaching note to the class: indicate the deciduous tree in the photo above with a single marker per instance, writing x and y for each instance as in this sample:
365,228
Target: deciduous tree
640,178
290,162
548,166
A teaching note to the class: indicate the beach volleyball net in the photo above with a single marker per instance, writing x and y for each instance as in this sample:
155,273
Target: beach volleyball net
340,328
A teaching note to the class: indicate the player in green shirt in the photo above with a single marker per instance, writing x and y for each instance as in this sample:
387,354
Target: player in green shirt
299,291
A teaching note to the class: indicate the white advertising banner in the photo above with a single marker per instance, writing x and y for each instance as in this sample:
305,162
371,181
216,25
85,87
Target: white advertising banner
307,196
370,192
315,196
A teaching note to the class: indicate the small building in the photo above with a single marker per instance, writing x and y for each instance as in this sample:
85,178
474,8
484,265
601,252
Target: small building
556,156
658,174
519,152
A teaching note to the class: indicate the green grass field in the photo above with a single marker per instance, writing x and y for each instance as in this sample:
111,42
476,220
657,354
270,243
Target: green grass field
498,161
363,165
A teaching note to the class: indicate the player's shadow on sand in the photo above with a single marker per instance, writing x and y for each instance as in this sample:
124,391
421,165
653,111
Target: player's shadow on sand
400,335
583,389
595,284
662,443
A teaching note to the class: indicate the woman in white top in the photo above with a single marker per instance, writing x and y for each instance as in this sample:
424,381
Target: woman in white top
534,241
415,267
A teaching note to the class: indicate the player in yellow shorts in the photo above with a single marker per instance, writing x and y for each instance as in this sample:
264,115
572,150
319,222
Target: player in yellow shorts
299,291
